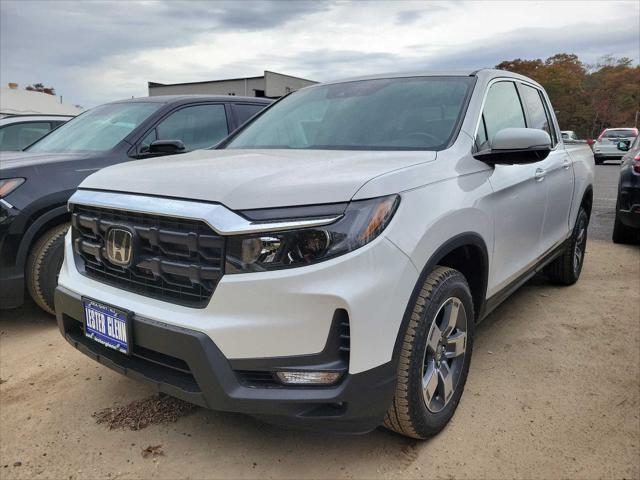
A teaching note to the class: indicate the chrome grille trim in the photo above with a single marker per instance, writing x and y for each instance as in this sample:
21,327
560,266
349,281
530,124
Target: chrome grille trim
221,220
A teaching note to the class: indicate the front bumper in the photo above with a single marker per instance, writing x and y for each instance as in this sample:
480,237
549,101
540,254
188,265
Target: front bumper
630,218
286,312
11,288
628,202
11,271
629,198
187,364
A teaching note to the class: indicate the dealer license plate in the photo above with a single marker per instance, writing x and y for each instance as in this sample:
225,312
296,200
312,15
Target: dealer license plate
107,325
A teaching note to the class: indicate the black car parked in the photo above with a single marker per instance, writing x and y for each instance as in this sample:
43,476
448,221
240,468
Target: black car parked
626,227
35,184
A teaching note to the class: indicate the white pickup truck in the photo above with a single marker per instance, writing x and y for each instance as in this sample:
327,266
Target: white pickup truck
326,265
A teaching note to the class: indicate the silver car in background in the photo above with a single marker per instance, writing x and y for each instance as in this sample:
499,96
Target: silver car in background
19,131
606,146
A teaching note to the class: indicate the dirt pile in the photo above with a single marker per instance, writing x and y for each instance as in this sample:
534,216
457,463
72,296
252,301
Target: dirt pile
142,413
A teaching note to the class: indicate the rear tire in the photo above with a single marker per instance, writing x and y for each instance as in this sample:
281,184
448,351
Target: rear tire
624,234
43,266
434,357
566,269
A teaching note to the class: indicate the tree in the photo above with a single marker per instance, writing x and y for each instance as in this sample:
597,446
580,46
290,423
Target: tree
39,87
587,98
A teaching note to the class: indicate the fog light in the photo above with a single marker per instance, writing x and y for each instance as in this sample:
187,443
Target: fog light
308,378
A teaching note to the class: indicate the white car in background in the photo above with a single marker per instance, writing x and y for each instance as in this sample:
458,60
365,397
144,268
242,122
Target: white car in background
569,136
17,132
606,146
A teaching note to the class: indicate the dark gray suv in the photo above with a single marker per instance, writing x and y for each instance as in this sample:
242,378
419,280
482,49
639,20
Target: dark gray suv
35,184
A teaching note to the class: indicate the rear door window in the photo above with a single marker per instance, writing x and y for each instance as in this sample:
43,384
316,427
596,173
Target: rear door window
20,135
620,133
539,117
245,111
502,109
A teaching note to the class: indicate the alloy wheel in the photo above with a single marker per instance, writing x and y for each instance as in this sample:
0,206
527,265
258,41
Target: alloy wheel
580,245
445,354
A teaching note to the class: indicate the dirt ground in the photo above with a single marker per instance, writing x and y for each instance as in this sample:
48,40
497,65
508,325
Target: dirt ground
553,391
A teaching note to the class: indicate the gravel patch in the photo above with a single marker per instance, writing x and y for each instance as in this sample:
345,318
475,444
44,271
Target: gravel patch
142,413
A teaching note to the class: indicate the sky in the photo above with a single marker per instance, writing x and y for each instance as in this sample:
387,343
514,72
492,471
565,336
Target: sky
94,51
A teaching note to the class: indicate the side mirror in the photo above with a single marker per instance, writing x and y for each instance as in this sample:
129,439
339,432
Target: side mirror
512,146
624,146
590,141
166,147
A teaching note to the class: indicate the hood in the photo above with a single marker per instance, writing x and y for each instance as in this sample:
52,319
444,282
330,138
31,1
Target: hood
245,179
29,159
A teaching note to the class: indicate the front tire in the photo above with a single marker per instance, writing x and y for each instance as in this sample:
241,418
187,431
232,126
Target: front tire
434,357
566,269
43,266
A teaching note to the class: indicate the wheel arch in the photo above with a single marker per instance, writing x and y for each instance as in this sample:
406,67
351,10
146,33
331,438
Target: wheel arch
587,199
466,252
44,222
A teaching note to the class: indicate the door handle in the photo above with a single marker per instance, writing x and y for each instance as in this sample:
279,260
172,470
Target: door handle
566,164
540,174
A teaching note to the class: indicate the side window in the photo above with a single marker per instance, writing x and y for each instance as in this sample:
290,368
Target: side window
502,109
20,135
538,115
146,141
244,111
200,126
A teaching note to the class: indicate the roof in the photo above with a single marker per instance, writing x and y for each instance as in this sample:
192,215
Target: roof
196,98
9,119
21,102
485,72
430,73
156,84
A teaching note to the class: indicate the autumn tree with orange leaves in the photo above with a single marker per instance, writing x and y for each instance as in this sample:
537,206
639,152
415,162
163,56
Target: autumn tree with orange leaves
586,98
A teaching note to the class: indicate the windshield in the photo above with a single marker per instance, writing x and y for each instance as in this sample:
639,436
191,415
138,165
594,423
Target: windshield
416,113
97,130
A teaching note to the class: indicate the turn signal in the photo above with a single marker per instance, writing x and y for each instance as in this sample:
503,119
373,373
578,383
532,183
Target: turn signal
8,185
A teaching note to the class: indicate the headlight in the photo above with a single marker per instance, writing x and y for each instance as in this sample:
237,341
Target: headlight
8,185
362,221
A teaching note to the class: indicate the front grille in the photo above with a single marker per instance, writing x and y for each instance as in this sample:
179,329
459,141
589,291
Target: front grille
175,260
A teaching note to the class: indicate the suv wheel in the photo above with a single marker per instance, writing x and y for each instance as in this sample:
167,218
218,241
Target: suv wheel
434,356
43,266
566,269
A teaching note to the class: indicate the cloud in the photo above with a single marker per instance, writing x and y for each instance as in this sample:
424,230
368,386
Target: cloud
408,16
97,51
71,32
415,15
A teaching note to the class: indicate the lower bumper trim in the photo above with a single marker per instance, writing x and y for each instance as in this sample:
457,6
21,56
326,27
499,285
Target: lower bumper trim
188,365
